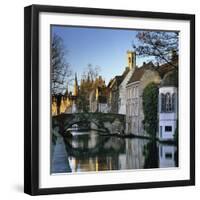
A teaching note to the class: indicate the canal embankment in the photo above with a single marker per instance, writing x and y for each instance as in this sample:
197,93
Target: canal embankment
60,162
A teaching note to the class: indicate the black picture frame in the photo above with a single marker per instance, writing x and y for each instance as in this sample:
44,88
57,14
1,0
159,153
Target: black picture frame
31,98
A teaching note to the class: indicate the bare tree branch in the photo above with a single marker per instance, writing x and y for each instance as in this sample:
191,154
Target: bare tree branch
60,73
160,45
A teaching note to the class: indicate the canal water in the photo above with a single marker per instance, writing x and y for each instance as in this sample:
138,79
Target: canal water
91,151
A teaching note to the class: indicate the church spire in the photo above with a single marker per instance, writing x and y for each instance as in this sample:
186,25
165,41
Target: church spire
66,92
75,86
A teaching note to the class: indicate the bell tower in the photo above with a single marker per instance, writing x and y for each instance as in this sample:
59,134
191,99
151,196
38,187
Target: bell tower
131,55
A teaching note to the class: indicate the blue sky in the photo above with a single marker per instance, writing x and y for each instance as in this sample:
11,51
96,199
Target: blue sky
105,48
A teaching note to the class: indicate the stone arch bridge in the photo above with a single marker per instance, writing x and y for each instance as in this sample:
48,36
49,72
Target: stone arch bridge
103,122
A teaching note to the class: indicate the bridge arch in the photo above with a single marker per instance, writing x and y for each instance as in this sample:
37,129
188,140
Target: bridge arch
103,121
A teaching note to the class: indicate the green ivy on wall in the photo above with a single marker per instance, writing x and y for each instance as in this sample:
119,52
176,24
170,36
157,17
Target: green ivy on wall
150,109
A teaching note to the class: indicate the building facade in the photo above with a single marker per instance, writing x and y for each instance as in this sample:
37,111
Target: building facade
168,106
131,57
142,76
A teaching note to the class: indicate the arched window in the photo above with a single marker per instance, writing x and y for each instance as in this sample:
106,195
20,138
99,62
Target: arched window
119,103
173,102
163,103
168,102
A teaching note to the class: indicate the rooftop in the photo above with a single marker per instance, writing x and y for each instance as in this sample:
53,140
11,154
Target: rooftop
138,73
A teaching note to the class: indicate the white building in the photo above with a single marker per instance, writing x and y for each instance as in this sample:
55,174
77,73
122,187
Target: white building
122,87
168,106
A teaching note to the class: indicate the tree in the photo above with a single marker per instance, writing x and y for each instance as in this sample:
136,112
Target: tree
60,73
150,109
161,45
89,82
91,72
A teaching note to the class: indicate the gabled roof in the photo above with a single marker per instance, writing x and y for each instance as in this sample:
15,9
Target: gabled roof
138,73
162,70
119,79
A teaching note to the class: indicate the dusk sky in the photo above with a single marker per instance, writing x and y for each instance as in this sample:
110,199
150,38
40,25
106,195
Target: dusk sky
105,48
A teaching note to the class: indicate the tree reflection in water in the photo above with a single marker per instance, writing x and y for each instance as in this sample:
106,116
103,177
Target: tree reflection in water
151,155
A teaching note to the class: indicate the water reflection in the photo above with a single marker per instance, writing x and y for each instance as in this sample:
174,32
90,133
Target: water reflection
90,151
167,156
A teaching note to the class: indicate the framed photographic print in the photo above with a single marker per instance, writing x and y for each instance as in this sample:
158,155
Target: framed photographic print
109,100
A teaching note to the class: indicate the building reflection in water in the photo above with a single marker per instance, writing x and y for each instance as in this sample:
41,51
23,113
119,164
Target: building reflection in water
89,151
167,156
133,157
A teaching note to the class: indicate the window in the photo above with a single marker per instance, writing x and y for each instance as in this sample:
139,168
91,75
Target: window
162,103
168,102
160,131
136,91
168,129
136,108
168,155
173,102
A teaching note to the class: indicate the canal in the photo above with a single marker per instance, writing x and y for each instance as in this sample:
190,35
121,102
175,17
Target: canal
91,151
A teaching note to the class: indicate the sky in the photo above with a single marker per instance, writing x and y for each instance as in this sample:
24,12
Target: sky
101,47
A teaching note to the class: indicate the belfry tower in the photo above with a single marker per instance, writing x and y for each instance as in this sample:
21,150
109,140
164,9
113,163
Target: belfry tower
75,86
131,60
